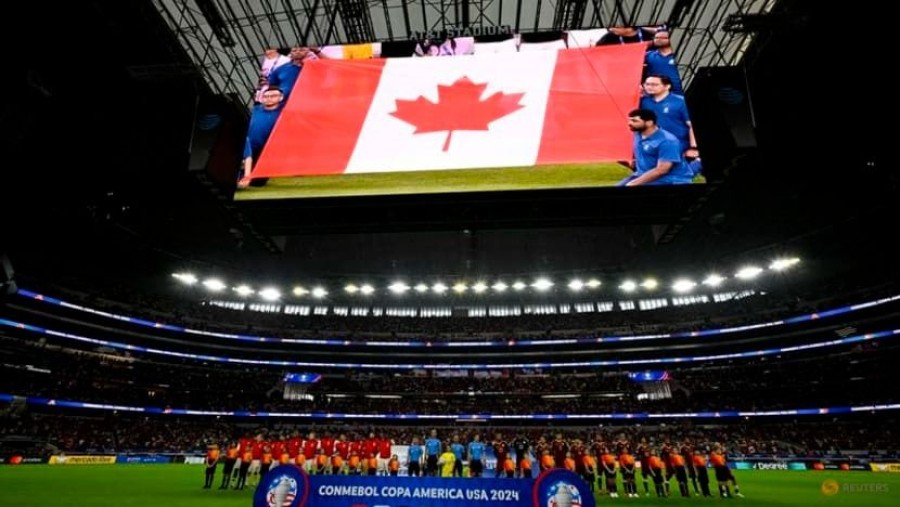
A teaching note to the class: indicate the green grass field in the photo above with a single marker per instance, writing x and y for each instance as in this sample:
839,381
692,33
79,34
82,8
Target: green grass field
180,486
430,182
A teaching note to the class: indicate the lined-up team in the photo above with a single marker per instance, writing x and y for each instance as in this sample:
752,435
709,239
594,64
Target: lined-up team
598,462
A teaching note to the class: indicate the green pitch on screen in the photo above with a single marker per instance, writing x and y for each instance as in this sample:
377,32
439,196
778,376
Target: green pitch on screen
431,182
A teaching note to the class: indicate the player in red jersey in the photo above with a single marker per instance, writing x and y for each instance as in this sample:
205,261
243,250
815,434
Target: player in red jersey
342,446
310,451
278,447
327,443
257,450
384,454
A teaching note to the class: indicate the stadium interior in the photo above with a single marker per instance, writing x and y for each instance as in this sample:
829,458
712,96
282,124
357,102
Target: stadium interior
405,304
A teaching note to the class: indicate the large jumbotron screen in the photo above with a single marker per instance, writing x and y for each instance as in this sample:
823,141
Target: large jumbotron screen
521,120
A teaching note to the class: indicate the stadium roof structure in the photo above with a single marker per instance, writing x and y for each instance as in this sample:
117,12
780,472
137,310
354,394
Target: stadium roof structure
99,112
225,38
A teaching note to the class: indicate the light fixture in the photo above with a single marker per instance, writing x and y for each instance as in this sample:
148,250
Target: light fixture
243,290
748,272
214,284
782,264
185,278
713,280
270,294
542,284
650,284
398,287
683,285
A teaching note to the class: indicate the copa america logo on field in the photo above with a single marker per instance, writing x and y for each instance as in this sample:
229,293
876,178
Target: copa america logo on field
283,486
281,492
563,494
561,488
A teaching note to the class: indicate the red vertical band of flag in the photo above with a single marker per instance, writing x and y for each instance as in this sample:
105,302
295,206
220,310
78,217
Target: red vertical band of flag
591,93
319,126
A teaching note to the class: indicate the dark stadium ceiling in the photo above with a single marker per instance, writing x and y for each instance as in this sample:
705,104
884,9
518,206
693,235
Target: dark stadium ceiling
225,38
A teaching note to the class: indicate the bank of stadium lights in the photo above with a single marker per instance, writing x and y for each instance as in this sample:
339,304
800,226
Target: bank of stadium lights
782,264
541,284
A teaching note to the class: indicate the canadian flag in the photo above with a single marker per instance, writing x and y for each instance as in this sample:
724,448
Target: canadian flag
462,112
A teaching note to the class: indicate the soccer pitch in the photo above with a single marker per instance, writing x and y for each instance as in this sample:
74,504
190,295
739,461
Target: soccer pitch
180,486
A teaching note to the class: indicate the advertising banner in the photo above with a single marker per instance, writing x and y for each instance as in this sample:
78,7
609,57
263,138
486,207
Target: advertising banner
142,459
19,459
290,486
82,459
885,467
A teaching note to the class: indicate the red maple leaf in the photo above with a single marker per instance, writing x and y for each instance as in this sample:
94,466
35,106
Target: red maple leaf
459,107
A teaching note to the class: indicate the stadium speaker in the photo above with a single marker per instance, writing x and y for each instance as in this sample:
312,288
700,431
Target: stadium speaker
7,276
722,115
